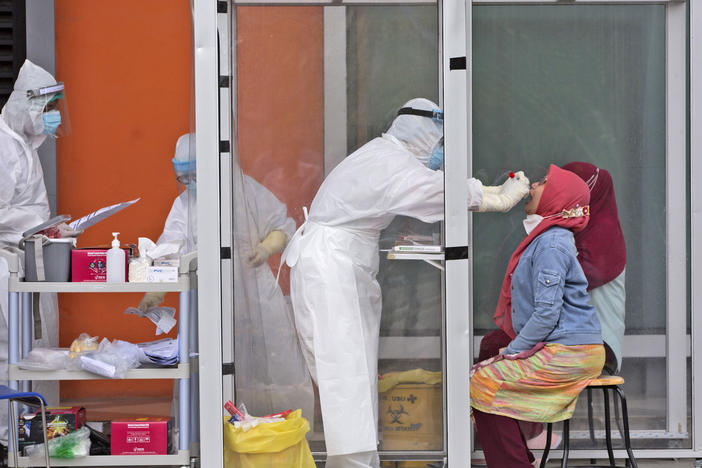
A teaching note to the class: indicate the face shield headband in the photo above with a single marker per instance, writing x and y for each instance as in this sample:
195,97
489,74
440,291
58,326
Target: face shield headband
57,88
436,114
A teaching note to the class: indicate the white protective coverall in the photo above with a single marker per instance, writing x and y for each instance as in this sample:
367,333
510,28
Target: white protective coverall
334,260
277,380
23,205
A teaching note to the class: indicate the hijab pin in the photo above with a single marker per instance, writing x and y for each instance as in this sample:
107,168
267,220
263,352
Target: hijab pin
576,212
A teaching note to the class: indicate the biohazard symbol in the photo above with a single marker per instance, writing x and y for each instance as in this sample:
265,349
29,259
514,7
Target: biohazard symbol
396,414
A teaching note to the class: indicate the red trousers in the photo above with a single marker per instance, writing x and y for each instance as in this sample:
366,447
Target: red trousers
502,441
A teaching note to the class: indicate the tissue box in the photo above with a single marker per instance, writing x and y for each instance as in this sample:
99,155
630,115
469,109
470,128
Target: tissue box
162,274
90,266
60,421
142,436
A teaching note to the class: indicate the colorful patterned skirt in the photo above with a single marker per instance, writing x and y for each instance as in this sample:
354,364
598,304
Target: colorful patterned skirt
543,387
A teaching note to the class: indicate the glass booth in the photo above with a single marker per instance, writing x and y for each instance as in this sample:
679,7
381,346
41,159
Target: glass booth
310,84
522,84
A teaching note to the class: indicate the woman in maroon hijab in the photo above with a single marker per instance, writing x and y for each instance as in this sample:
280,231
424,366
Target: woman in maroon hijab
602,254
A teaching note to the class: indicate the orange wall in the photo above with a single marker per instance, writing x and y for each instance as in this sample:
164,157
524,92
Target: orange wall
280,60
127,70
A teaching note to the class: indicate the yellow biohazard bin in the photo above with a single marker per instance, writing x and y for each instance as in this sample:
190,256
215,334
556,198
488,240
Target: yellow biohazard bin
278,444
411,413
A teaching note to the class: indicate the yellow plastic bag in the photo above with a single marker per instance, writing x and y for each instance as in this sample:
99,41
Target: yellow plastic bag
280,444
417,376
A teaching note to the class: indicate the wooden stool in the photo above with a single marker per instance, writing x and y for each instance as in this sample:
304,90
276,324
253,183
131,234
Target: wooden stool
606,383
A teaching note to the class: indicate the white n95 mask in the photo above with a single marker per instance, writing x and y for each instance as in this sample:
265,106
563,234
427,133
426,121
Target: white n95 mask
531,221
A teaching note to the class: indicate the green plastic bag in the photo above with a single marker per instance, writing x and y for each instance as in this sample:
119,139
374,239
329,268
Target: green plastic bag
73,445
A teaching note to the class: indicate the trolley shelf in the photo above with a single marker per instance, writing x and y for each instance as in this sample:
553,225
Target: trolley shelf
184,283
182,458
180,372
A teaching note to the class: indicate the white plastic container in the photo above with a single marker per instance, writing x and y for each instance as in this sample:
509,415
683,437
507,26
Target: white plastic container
139,265
116,261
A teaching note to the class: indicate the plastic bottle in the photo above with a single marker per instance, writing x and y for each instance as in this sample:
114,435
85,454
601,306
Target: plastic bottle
116,259
139,265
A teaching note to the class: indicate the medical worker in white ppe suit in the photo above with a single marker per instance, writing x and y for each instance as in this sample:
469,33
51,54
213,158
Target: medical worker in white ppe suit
270,214
34,112
277,380
334,260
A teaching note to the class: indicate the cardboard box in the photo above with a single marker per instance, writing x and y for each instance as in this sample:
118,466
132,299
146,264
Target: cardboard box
162,274
60,420
142,436
90,266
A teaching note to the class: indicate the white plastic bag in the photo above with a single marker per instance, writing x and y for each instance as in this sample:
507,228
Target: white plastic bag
45,359
112,359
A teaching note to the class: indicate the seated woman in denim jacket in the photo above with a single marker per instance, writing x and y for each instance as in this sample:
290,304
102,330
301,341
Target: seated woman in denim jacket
556,347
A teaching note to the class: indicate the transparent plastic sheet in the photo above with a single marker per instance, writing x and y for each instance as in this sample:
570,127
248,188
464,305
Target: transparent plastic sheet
271,374
288,140
599,105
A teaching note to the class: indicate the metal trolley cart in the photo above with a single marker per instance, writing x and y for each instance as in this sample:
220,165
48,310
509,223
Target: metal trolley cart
20,326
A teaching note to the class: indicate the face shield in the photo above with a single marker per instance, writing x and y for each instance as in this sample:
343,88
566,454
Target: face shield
184,163
185,175
48,111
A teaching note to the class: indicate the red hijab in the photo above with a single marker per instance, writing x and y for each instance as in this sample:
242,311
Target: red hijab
564,191
601,247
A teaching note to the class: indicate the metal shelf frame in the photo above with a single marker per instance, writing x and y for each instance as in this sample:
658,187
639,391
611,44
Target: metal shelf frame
182,458
20,325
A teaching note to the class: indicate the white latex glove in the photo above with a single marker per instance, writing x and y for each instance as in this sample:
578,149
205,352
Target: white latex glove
151,299
511,192
66,231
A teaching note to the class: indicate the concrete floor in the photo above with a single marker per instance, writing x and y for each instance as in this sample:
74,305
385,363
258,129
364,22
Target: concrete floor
640,463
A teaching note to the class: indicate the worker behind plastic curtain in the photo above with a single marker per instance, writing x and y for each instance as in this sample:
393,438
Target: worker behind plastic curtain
270,371
334,261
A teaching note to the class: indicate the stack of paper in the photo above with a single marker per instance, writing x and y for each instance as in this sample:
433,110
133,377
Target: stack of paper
418,248
162,352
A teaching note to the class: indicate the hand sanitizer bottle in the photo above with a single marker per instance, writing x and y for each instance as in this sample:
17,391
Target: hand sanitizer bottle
116,259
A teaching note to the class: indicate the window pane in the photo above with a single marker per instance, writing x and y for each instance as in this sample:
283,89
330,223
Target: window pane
556,84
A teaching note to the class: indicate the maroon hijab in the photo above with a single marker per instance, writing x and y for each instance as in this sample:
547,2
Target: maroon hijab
601,248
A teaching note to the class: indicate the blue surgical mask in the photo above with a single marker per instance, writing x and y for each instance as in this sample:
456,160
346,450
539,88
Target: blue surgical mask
52,120
437,156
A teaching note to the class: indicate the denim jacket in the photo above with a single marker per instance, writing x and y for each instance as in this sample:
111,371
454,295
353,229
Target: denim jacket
550,302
